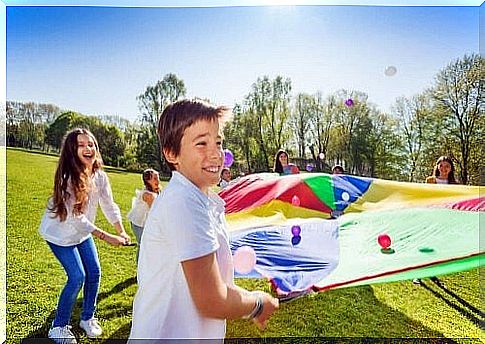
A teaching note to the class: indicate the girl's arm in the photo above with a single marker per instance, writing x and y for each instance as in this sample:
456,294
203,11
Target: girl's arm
215,299
121,231
109,238
148,198
110,209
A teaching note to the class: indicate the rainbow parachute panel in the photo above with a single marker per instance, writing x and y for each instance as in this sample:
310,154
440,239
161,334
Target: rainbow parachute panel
434,229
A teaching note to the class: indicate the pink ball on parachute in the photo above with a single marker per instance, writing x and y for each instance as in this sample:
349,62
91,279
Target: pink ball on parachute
384,240
244,260
228,158
295,201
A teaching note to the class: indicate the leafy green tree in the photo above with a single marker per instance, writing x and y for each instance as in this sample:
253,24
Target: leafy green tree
151,104
110,138
415,125
268,106
459,96
300,120
56,131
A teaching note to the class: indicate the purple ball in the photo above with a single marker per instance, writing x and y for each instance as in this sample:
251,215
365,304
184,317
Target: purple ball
349,102
228,158
309,167
295,230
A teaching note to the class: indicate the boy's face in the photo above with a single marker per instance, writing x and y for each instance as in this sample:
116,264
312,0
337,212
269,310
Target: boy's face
201,156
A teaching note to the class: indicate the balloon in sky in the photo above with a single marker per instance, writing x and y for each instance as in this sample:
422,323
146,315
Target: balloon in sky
295,200
244,260
228,158
390,70
321,156
349,102
384,240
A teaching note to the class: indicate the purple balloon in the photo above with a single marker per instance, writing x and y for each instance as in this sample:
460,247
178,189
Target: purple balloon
309,167
349,102
295,230
228,158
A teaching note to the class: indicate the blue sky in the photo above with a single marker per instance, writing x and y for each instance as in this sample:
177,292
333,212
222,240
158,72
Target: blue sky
96,60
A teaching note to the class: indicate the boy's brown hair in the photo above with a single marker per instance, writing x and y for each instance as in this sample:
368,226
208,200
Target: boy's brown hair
180,115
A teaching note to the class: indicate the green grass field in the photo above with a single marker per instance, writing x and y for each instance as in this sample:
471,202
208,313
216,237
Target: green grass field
35,278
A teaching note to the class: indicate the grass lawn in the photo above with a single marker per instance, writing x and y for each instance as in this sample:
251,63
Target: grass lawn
35,278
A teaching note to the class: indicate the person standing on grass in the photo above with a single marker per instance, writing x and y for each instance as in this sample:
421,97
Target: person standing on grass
185,273
443,173
68,228
282,164
142,202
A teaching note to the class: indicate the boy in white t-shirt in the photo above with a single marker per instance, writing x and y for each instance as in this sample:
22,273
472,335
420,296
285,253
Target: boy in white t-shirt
185,273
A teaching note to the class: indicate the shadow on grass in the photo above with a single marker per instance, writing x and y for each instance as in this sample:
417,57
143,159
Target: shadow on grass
457,303
336,315
41,332
345,314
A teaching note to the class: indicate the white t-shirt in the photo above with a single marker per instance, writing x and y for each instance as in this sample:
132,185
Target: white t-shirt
139,208
77,228
223,183
183,224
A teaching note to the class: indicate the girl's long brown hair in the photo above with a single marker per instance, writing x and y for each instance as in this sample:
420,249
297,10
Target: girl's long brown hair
278,167
70,169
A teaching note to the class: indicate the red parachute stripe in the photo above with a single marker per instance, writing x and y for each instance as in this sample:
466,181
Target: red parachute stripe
475,204
254,191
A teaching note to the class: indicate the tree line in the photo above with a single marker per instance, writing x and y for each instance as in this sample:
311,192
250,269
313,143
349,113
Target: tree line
343,127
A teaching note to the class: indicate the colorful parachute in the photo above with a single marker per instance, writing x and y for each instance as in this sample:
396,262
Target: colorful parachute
434,229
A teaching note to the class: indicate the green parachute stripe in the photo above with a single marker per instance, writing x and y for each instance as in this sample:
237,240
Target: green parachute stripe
420,237
322,187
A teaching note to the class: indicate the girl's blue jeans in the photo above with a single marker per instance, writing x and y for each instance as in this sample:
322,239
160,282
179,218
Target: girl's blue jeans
81,264
138,231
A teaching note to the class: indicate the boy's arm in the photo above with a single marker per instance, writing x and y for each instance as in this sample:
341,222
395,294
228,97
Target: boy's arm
215,299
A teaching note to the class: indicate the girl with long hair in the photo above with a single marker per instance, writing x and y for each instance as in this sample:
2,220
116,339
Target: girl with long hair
68,227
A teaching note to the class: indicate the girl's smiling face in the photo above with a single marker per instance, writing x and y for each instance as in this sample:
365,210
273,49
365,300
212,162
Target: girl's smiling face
86,150
445,168
283,159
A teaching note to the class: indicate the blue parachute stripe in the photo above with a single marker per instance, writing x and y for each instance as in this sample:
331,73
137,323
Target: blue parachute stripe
354,187
292,267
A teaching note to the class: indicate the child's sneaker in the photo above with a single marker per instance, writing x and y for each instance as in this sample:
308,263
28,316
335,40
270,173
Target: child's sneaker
91,327
62,335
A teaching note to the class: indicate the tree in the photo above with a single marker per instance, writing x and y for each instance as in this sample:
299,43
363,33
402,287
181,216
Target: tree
458,92
301,115
414,120
110,138
268,105
321,122
151,104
